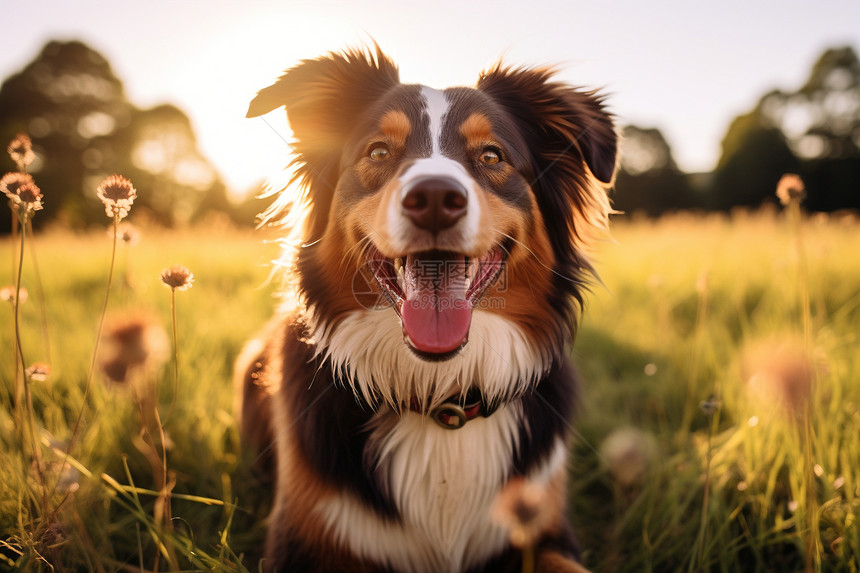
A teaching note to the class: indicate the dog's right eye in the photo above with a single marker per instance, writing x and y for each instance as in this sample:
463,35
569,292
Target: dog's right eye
379,152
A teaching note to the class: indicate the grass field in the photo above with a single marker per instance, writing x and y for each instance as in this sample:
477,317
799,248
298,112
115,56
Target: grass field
691,310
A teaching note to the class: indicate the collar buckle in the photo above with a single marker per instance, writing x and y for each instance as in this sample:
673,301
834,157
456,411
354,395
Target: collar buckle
449,415
453,416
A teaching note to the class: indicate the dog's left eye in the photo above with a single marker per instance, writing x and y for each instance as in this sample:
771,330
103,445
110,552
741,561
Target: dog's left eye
490,156
379,152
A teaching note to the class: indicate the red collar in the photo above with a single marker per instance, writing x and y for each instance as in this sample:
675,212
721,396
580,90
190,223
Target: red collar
452,414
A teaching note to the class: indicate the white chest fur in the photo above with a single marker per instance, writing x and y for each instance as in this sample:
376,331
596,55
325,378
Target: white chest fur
444,483
368,347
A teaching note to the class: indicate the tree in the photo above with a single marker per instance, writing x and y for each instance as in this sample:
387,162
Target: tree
814,130
649,180
74,108
755,155
83,128
821,120
164,159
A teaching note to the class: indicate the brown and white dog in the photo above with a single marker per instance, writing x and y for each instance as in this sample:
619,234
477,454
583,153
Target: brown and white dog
439,281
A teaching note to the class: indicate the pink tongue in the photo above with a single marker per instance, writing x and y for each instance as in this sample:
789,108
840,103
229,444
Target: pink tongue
436,314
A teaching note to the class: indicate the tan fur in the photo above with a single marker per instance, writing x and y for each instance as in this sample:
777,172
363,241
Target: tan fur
476,128
341,260
396,127
549,561
528,277
368,218
254,391
299,489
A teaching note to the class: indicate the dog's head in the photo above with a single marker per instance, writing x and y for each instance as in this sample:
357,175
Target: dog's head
455,202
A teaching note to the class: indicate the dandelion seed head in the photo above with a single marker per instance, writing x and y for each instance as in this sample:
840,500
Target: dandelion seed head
790,188
781,373
21,151
53,536
709,407
117,194
30,196
67,476
7,294
21,191
177,277
168,442
129,344
702,282
628,454
38,372
523,509
69,480
10,182
128,234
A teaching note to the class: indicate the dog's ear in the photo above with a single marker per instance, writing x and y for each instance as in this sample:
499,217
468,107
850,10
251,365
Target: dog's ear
573,144
324,99
556,113
323,94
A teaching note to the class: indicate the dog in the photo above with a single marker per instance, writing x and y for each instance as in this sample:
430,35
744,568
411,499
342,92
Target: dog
441,273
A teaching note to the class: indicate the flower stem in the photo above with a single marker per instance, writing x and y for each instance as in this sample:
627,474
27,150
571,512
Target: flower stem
528,559
175,353
27,414
14,236
77,426
803,271
164,493
19,352
703,521
812,525
40,292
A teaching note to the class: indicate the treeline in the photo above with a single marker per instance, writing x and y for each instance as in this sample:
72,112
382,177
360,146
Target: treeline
813,131
84,128
74,108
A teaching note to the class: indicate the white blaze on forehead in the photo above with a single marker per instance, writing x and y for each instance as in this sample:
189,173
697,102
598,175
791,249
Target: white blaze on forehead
400,229
437,107
437,166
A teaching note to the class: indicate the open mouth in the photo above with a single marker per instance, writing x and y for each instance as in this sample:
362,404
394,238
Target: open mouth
434,292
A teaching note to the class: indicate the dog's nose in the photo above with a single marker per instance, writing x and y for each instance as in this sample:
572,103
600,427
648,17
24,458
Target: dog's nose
435,204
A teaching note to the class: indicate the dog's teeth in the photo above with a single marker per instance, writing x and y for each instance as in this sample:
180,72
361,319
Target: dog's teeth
471,269
398,264
401,277
468,283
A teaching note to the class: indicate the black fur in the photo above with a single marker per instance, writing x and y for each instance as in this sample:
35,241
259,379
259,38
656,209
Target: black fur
559,146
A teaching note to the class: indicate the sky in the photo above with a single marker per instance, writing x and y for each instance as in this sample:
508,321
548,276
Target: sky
686,67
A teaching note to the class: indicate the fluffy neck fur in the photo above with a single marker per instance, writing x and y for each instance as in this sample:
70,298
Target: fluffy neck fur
366,348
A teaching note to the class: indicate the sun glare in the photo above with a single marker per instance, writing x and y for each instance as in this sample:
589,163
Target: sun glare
256,49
